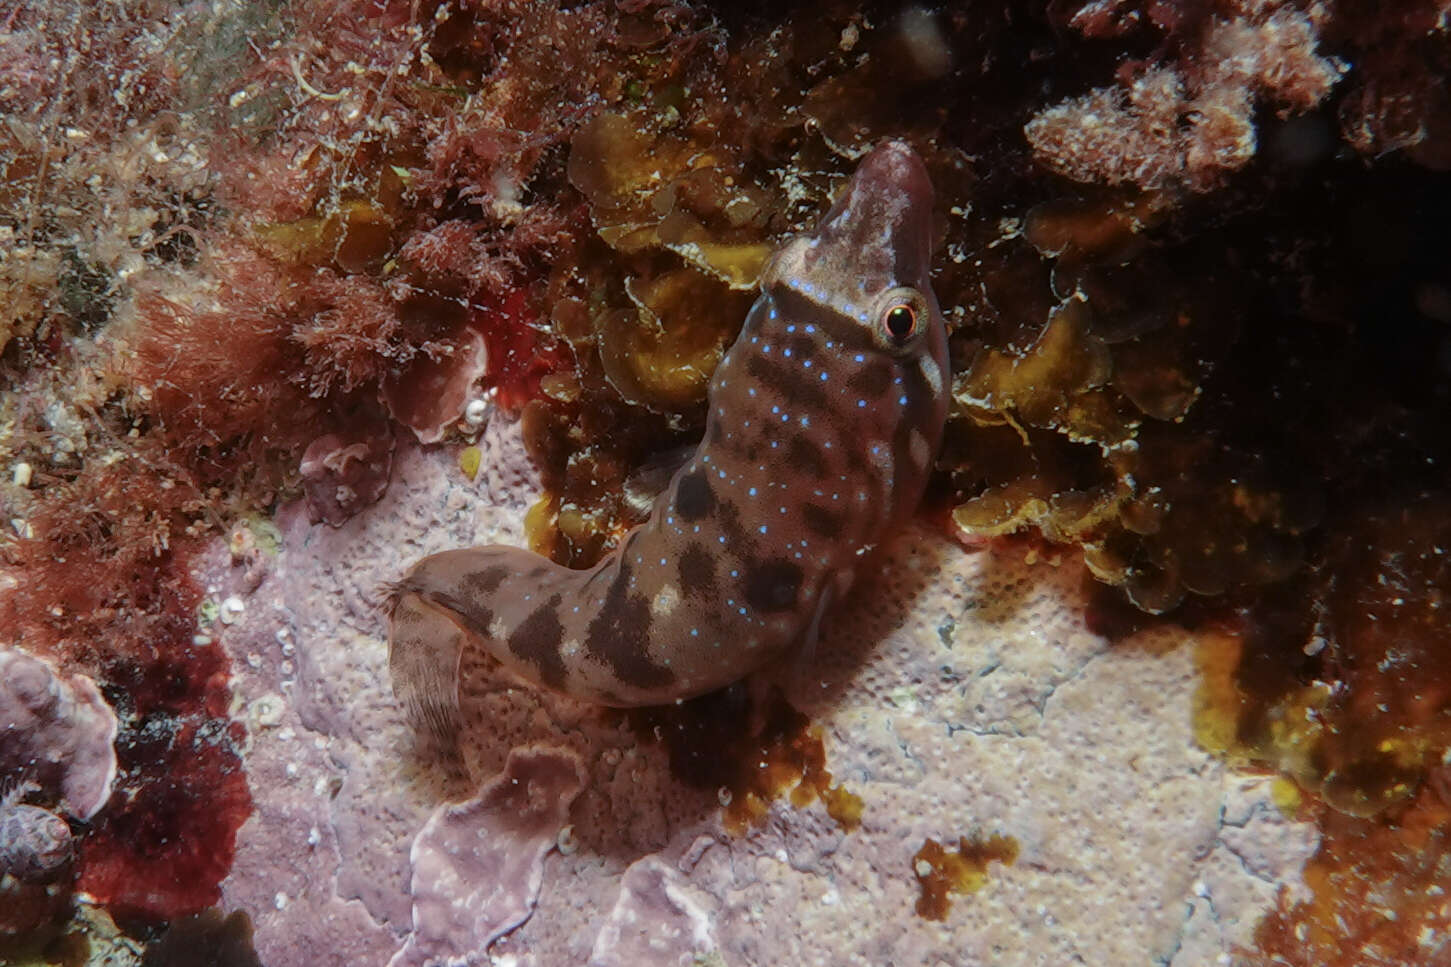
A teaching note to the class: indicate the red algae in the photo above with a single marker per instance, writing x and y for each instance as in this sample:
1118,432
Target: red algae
1186,124
521,354
163,850
100,560
104,587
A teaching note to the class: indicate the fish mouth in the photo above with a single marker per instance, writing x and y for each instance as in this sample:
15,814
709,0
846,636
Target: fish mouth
894,165
885,213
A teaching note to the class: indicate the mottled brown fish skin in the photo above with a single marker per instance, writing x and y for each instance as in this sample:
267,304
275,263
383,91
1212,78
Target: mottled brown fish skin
825,416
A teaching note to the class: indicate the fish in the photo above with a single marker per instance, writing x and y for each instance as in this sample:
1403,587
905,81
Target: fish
824,419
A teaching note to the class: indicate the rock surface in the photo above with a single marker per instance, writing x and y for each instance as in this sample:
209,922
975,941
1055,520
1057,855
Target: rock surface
961,692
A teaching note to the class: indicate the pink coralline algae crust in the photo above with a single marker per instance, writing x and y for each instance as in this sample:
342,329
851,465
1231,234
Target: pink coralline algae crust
344,472
56,732
658,921
983,704
1190,122
478,865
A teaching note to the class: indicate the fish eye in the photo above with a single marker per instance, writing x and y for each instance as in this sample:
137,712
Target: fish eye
901,316
901,321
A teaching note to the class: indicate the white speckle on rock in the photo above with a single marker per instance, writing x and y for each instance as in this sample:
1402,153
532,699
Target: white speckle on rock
231,610
477,412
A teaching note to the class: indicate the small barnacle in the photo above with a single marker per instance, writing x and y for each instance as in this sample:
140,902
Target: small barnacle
565,841
35,844
231,610
476,413
241,543
267,711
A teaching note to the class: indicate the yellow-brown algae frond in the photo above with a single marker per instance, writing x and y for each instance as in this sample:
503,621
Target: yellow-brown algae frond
662,354
1352,701
1051,385
652,190
1378,890
789,759
941,872
469,459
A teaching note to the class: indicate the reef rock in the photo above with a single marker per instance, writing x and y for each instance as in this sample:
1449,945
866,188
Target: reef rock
960,693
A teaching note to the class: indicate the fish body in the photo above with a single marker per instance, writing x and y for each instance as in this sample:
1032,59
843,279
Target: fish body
824,419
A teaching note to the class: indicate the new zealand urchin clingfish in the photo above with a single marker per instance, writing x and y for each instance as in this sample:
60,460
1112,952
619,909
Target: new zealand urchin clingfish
824,419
